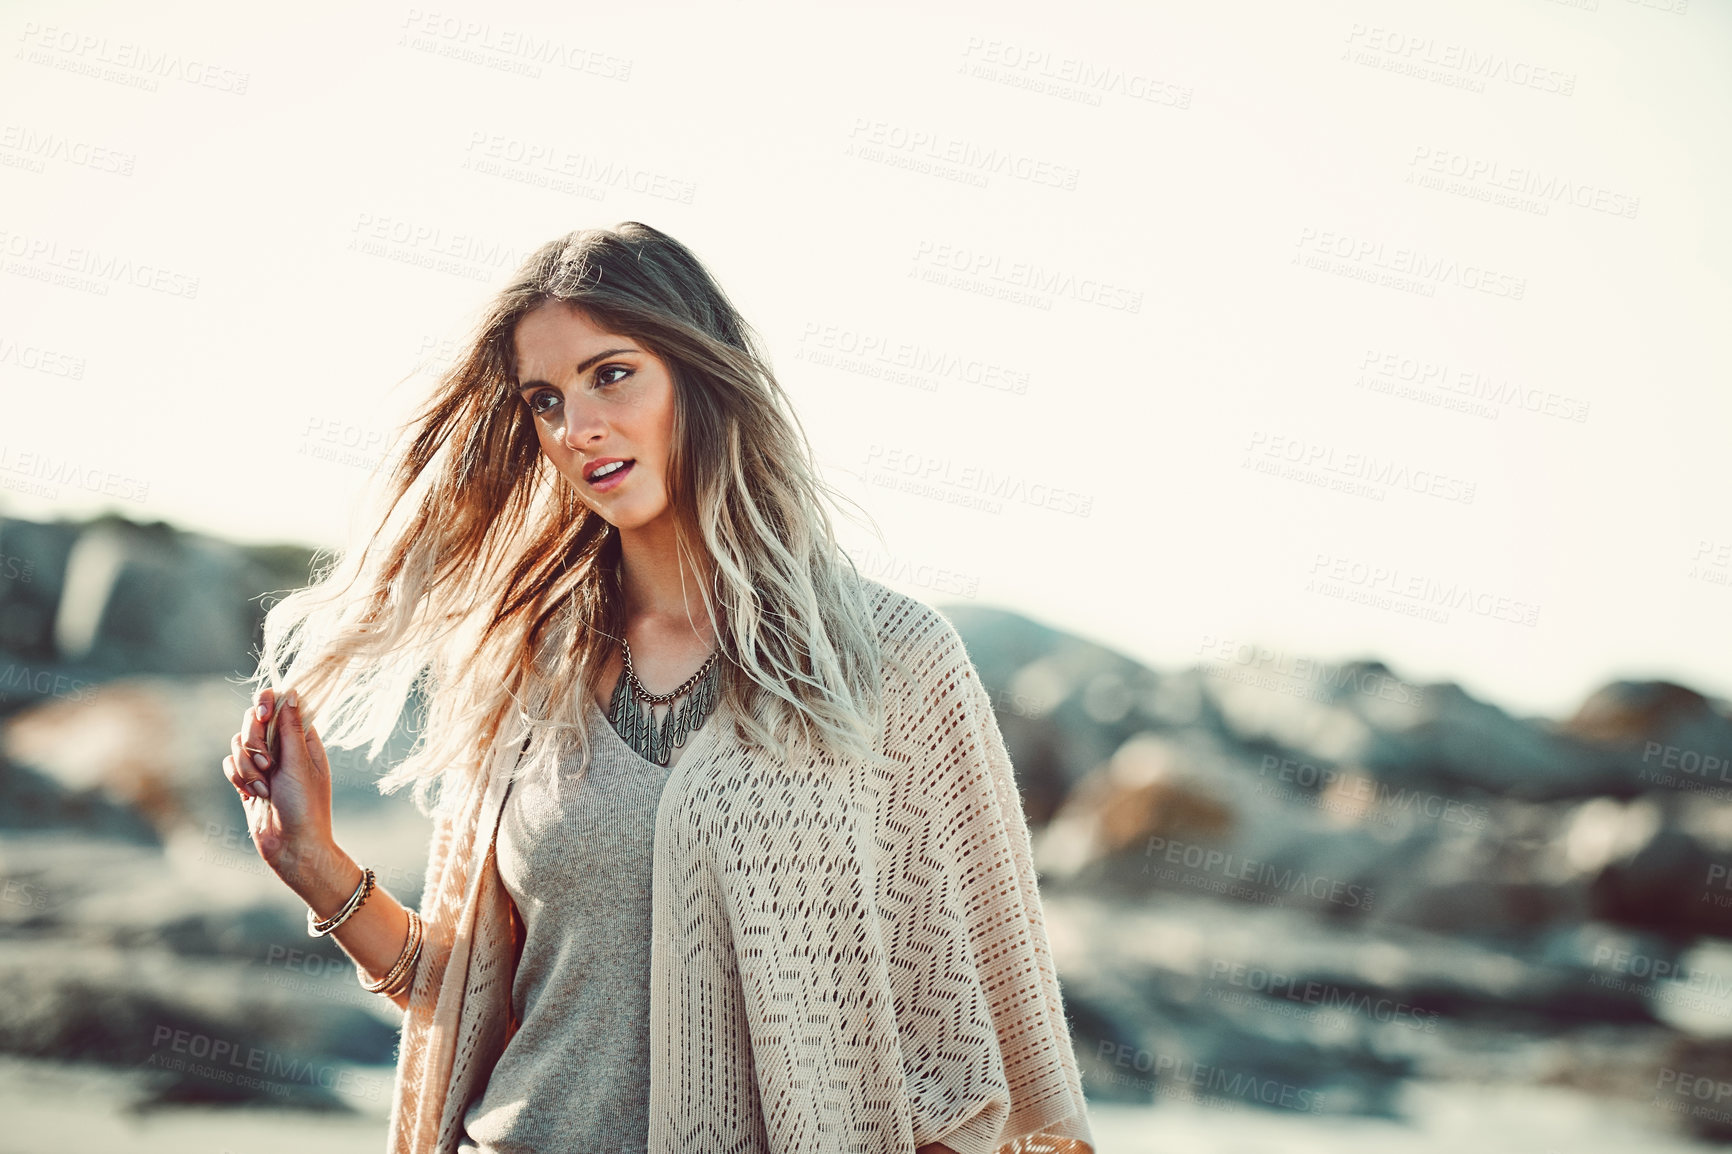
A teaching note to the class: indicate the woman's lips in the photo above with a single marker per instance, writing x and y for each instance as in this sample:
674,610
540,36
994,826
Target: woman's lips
603,484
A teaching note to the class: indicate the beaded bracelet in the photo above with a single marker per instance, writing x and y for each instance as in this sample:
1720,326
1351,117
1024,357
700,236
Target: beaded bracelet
397,980
318,929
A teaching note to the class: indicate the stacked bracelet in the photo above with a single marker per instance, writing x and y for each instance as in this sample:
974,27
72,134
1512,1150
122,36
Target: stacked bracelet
318,929
403,971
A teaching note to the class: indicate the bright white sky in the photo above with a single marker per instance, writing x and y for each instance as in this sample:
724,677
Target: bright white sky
1203,156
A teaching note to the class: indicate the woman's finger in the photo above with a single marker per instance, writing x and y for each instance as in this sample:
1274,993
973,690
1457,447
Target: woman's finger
316,748
235,779
272,713
252,778
245,731
285,708
238,781
255,727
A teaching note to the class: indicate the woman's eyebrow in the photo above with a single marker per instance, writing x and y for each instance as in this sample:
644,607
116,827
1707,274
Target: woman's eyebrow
581,369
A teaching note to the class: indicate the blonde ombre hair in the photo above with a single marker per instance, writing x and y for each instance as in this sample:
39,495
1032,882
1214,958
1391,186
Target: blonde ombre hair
490,588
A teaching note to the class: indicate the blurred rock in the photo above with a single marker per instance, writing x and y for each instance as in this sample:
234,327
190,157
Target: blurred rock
201,975
1283,884
1434,738
1658,734
36,801
1064,704
1145,790
84,602
211,1031
155,746
140,743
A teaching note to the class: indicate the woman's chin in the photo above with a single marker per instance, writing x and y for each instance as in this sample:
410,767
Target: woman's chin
629,518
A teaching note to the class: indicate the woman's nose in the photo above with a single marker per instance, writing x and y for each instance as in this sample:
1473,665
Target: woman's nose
582,427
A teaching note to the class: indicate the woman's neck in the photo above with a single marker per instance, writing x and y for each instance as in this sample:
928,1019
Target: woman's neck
659,585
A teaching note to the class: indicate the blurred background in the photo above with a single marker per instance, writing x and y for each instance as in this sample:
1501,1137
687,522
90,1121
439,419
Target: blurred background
1312,416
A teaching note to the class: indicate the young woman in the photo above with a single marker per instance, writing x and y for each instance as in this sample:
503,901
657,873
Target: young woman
727,852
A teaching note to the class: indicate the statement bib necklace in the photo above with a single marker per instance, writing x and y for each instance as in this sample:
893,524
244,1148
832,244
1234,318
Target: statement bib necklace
637,724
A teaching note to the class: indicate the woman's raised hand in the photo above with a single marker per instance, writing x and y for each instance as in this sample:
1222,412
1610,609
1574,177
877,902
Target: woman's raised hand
286,792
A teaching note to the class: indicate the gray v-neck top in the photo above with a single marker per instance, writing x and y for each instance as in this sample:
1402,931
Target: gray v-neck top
575,854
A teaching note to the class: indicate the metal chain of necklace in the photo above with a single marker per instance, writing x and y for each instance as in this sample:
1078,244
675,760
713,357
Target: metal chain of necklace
638,726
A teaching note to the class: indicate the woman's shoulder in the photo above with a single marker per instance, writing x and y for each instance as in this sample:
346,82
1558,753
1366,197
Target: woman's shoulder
906,621
915,637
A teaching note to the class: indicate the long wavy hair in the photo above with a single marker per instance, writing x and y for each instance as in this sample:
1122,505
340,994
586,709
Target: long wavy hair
493,591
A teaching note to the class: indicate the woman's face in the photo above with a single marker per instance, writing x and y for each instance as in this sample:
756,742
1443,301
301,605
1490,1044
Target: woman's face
598,398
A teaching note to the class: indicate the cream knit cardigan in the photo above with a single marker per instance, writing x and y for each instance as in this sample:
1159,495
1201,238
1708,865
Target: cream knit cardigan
847,957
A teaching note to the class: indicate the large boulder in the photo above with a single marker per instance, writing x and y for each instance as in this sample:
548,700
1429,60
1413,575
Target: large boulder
84,602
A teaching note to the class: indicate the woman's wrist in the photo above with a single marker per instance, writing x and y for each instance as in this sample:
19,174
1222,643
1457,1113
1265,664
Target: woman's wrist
325,879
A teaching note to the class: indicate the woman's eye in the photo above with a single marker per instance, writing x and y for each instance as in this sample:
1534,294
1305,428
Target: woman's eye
602,380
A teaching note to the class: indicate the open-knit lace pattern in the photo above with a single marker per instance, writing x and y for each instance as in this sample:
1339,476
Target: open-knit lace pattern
847,957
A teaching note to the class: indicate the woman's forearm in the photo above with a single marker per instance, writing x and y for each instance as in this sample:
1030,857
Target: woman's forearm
374,935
